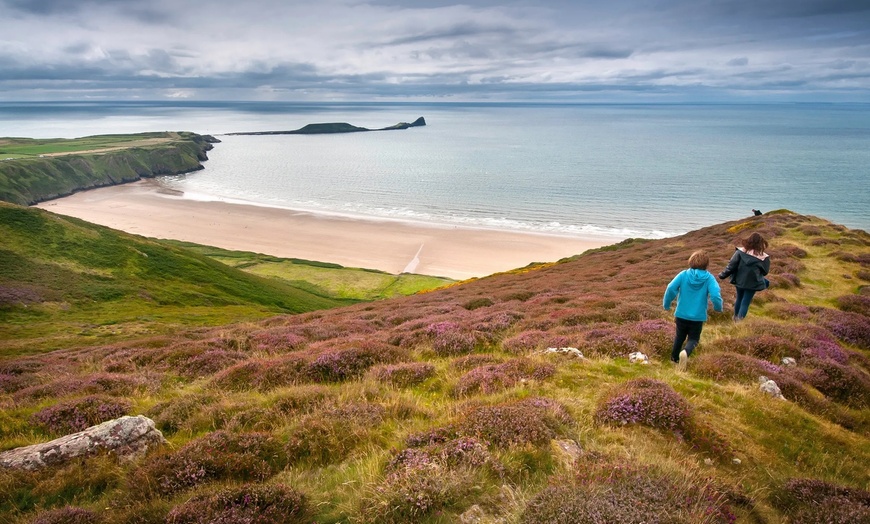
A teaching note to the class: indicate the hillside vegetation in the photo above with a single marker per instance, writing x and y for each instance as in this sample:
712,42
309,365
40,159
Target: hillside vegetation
448,407
35,170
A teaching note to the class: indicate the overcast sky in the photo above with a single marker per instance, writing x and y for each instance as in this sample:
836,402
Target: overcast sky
537,50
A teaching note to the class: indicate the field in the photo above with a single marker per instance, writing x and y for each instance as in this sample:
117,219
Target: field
13,148
449,406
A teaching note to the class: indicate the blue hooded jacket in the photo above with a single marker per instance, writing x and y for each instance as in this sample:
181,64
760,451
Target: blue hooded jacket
691,288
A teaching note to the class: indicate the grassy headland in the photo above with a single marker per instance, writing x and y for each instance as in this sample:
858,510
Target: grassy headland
34,170
428,407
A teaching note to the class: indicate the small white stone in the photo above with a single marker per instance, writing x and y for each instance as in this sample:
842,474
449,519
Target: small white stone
708,462
638,358
789,361
735,461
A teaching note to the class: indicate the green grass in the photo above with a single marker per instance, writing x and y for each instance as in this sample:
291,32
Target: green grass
323,278
32,147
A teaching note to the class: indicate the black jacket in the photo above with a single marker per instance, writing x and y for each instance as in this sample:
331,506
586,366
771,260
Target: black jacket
747,271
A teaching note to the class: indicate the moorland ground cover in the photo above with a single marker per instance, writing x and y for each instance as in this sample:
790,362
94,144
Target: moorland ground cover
448,403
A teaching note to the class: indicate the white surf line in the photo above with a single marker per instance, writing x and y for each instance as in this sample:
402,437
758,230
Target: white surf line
412,265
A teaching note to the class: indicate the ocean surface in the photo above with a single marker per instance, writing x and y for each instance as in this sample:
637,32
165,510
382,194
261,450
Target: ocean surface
612,171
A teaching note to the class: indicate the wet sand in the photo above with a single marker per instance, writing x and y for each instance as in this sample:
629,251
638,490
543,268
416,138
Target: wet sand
145,208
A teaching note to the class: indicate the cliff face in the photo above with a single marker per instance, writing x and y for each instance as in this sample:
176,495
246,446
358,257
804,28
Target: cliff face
26,181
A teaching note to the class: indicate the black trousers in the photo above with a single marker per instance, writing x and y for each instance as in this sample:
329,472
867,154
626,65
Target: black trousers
690,329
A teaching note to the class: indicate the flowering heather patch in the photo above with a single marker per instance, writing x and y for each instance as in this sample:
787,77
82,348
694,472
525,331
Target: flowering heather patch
247,504
261,374
863,275
652,336
627,494
824,350
842,383
810,230
527,341
732,366
781,266
634,311
365,414
278,340
67,515
789,311
496,377
648,402
76,415
351,362
450,339
10,383
810,501
99,383
496,323
851,328
210,362
855,303
403,375
321,438
766,347
784,280
438,435
176,414
614,344
217,456
521,296
788,250
530,421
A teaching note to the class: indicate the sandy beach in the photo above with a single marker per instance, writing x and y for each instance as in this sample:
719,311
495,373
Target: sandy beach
144,208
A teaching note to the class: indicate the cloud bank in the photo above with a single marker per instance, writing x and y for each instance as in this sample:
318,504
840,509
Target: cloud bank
550,50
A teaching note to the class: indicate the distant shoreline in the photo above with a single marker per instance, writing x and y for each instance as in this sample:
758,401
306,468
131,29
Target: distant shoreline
145,208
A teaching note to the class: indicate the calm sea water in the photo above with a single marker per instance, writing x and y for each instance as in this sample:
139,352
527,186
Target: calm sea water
609,170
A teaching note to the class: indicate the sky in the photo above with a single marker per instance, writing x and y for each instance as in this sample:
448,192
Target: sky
404,50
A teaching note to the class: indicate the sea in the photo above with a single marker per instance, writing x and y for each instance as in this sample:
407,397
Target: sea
609,171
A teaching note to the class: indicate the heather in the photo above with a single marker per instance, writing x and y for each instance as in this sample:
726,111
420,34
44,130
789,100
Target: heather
448,406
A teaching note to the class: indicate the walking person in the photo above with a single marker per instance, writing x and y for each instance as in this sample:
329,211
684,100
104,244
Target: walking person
747,269
692,288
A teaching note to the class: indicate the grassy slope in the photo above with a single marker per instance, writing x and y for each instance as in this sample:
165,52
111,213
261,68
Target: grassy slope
323,278
32,173
338,427
64,281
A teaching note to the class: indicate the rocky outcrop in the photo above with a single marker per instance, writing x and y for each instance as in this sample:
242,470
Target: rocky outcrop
336,127
125,436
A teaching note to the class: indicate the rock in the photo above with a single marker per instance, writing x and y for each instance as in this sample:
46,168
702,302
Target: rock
638,358
708,462
126,436
789,361
769,387
736,461
568,351
566,451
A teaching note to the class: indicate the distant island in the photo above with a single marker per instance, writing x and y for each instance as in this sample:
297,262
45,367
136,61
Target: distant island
336,127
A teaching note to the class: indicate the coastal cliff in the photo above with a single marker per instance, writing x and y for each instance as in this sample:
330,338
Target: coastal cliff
336,127
31,178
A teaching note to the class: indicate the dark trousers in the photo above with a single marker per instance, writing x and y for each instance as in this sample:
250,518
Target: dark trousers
741,305
690,329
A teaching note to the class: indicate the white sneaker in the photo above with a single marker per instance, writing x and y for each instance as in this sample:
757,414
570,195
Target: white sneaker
684,359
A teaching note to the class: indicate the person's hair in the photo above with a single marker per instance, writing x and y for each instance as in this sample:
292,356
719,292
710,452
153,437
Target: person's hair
755,243
699,260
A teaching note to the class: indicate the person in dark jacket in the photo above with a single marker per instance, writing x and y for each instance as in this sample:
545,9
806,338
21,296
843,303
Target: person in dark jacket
692,288
747,269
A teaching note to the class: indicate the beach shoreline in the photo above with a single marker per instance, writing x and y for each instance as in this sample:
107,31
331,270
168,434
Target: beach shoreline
146,208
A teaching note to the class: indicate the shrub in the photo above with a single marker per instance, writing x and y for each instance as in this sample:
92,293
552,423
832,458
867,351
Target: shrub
449,339
209,362
788,250
278,340
522,296
784,281
733,366
767,347
412,493
302,398
10,383
647,402
217,456
843,383
628,494
472,361
613,344
247,504
320,439
855,304
788,311
530,421
810,230
79,414
67,515
404,375
263,374
851,328
526,341
495,377
653,336
809,501
477,303
824,350
343,364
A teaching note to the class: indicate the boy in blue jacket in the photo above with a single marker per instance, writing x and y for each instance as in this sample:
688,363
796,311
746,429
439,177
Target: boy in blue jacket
692,288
